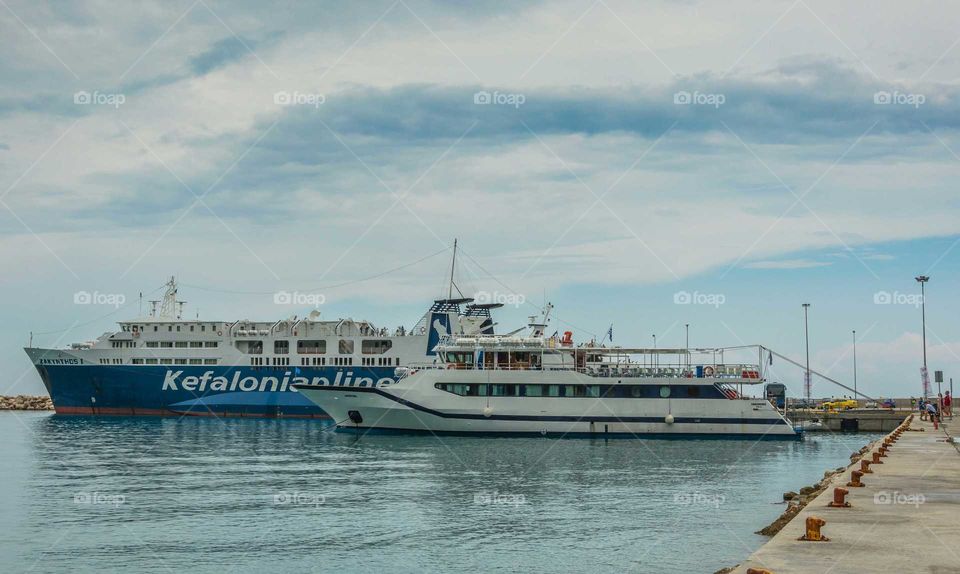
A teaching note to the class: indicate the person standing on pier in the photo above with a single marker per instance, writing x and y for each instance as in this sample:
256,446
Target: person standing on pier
932,411
948,404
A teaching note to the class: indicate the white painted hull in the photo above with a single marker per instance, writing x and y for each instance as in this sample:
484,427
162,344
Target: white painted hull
415,405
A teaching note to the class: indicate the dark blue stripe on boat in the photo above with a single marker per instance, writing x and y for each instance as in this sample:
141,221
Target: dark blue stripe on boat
573,435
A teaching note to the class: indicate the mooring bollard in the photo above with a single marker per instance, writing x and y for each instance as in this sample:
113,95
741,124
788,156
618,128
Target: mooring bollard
855,477
813,530
758,571
876,459
865,466
883,451
839,494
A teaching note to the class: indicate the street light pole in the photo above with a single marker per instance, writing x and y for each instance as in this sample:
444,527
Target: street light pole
687,327
922,279
806,335
855,394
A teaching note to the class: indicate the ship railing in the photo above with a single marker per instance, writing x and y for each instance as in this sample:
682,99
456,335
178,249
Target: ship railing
739,372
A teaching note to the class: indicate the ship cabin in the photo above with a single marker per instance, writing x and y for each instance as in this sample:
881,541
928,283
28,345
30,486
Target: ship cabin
559,354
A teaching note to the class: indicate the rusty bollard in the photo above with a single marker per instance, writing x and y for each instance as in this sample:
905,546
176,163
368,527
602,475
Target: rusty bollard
876,459
855,477
883,451
839,494
813,526
865,466
758,571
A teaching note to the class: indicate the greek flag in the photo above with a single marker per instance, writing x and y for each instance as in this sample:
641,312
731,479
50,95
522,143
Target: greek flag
610,333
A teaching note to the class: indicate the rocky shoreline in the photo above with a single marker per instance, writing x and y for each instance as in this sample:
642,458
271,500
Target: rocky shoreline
25,403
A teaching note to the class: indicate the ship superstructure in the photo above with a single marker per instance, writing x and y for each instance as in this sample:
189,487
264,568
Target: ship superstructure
164,364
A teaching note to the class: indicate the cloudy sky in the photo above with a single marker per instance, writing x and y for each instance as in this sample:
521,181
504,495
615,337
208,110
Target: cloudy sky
648,164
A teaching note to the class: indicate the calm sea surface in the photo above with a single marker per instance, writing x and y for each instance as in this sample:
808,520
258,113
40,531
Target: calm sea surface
169,495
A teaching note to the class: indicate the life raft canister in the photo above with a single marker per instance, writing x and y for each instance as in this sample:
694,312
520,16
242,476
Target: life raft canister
708,371
567,338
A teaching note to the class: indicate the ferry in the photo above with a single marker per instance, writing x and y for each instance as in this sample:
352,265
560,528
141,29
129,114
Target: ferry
539,385
164,364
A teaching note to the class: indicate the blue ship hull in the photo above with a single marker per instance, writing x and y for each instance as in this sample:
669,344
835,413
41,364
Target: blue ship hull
178,390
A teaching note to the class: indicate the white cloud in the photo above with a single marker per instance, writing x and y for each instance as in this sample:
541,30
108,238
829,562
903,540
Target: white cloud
787,264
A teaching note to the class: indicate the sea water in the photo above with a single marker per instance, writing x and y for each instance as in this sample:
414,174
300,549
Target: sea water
257,495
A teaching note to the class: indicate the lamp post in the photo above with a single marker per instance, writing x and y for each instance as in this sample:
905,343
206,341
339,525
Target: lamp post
922,279
687,327
806,335
855,394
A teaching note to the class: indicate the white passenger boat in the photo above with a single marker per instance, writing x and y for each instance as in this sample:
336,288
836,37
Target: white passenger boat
538,385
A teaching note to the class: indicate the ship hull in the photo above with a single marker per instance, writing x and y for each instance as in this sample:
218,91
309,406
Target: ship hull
182,390
417,407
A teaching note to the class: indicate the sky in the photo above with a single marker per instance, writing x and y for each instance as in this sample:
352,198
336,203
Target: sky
647,165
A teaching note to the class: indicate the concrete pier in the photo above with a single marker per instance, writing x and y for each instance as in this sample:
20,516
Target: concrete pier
906,517
857,420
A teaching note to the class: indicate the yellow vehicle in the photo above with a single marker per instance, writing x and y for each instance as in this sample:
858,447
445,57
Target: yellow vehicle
839,405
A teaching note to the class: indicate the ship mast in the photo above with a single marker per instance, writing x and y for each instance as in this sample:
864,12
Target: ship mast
169,307
453,265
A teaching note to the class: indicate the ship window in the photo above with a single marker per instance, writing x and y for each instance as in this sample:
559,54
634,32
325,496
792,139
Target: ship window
150,361
166,361
196,344
250,347
465,390
552,391
203,328
154,328
503,390
311,346
166,344
191,328
169,327
209,361
180,344
460,358
593,391
693,391
281,347
180,361
346,347
178,328
664,391
137,361
210,344
376,347
636,391
533,390
575,391
196,361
